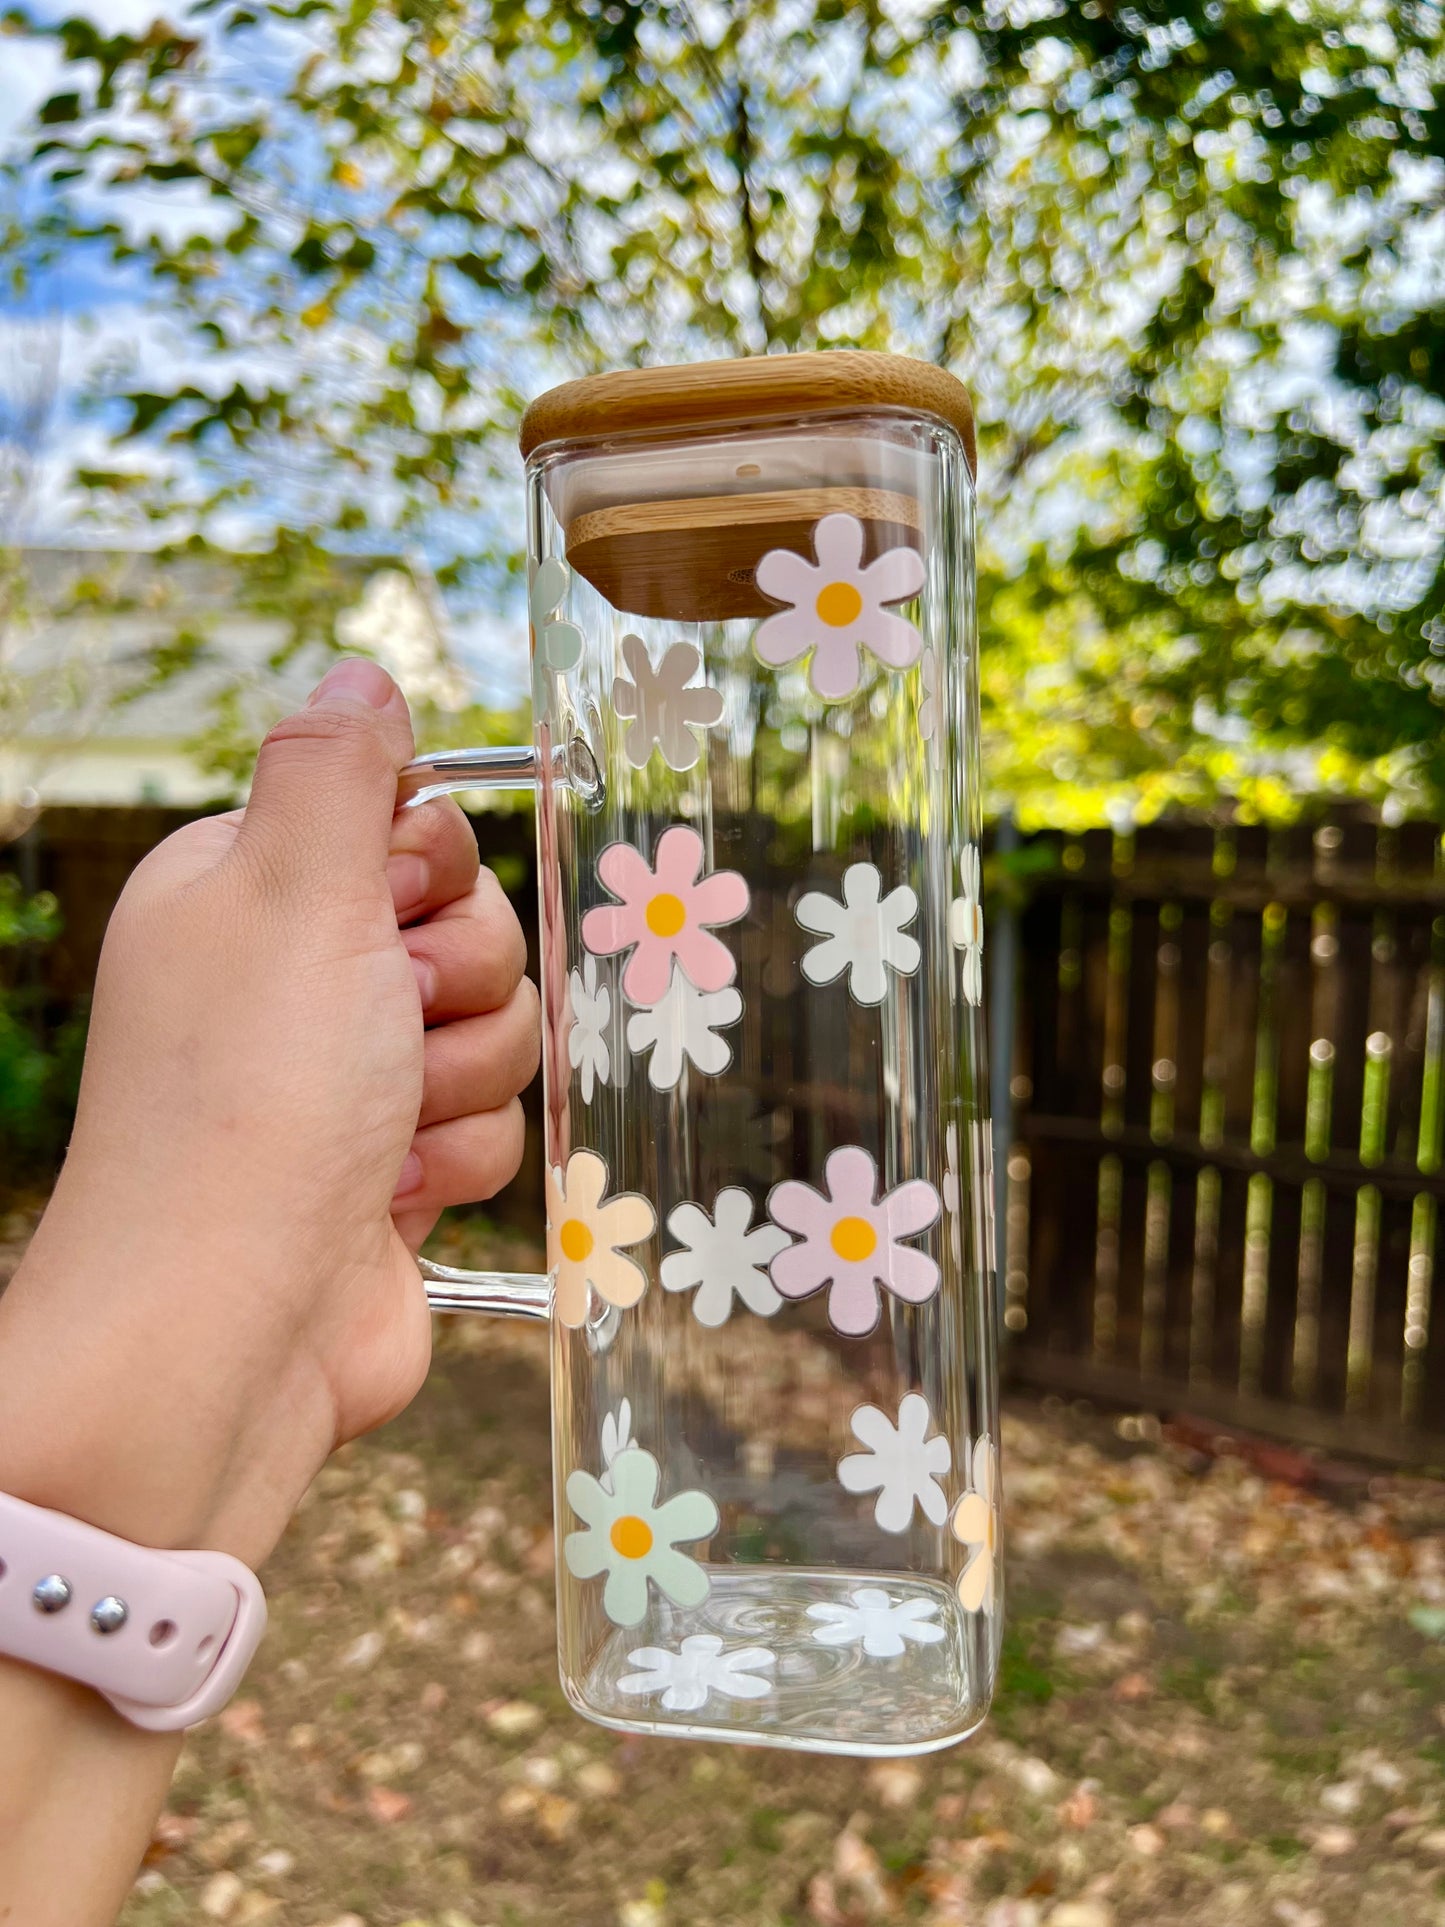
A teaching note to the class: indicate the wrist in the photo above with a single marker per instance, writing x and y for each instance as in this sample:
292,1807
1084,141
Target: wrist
140,1428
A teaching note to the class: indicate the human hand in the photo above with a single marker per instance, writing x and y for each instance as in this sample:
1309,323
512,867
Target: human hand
223,1288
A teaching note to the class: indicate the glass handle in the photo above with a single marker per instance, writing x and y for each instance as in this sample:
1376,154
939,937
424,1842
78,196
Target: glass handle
517,767
513,1294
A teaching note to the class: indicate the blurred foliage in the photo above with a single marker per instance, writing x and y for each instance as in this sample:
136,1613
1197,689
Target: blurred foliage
1219,230
1187,253
39,1062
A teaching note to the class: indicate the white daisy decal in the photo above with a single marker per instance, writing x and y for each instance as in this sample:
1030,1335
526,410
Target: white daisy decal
864,934
952,1193
883,1625
634,1540
965,922
584,1237
587,1039
837,606
985,1238
681,1028
928,702
697,1668
662,708
975,1525
901,1463
556,646
616,1438
722,1259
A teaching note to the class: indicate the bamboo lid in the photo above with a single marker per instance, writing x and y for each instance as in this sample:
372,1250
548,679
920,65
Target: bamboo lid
758,388
670,525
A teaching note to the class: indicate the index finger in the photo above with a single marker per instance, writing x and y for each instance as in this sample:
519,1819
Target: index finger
433,858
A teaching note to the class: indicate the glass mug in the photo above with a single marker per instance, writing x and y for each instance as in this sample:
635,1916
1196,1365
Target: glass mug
769,1184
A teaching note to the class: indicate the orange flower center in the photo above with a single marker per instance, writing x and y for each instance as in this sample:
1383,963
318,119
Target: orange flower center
576,1241
839,604
632,1537
854,1239
666,914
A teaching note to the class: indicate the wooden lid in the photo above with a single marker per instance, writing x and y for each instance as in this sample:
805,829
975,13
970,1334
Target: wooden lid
695,560
631,401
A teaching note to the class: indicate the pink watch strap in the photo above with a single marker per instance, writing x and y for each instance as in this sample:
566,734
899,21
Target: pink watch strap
164,1636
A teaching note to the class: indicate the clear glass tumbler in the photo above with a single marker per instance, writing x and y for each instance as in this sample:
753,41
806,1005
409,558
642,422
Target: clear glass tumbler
769,1181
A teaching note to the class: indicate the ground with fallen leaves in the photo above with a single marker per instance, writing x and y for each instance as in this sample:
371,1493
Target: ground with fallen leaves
1222,1701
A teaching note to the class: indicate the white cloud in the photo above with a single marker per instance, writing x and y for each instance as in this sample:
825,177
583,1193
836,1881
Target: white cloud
32,71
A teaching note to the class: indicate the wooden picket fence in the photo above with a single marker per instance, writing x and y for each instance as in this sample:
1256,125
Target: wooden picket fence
1225,1175
1224,1164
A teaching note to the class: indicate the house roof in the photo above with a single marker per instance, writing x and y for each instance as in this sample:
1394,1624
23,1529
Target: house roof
115,662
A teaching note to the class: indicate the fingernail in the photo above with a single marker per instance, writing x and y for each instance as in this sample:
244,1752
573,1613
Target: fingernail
354,681
410,1177
426,980
408,875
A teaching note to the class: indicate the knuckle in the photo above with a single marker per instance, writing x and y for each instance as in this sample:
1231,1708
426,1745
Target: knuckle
475,1157
526,1003
527,1000
513,1140
513,947
355,729
504,1141
491,959
458,835
501,916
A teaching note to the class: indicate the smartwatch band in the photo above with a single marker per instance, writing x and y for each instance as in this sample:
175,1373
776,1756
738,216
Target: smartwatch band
166,1637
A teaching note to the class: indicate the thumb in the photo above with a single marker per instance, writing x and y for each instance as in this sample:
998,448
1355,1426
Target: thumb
324,792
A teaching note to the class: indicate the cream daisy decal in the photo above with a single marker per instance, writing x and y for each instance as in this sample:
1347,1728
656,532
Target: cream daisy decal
662,707
863,934
587,1039
901,1463
682,1028
965,922
556,645
584,1237
850,1240
975,1525
721,1259
883,1626
699,1667
836,606
634,1540
665,912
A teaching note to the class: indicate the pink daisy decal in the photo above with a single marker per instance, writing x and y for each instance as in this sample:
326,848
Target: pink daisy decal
663,913
836,605
850,1240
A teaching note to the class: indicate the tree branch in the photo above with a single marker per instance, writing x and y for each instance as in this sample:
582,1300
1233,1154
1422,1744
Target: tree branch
743,160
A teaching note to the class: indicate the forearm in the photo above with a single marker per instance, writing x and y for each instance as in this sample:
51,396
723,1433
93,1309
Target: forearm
79,1793
150,1442
80,1788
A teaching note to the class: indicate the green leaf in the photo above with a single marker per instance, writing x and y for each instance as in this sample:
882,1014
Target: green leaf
60,107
